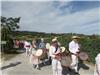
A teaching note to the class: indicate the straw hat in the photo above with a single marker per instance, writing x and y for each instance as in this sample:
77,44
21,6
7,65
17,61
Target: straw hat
39,52
55,39
62,49
75,37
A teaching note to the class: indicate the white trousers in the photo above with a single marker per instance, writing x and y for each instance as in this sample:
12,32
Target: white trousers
74,64
56,66
27,51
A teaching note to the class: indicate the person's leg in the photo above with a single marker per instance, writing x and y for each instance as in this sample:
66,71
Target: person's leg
59,68
74,62
76,66
26,51
38,65
29,51
54,66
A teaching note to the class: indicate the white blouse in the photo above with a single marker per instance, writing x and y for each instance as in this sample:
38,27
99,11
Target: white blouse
73,47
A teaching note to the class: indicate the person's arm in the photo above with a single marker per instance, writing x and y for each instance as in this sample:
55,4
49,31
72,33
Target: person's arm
52,51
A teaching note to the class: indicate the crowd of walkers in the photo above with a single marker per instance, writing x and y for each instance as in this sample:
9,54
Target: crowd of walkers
41,52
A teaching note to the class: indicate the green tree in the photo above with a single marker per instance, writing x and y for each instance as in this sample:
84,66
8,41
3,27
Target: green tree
8,25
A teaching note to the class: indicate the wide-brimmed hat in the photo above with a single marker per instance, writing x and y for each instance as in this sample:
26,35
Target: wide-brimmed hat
55,39
75,37
62,49
39,52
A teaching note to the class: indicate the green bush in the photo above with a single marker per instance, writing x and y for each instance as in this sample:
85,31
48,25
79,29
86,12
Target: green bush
91,46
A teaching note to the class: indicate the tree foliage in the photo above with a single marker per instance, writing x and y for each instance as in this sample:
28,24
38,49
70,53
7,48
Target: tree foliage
8,25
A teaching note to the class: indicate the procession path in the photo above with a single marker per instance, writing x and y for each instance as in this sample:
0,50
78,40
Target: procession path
20,65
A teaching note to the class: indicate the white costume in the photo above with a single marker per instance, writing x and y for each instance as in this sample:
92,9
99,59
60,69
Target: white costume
97,66
27,46
74,48
56,64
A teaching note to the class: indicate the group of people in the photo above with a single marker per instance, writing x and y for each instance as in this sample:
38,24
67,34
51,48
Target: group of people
54,52
31,49
74,49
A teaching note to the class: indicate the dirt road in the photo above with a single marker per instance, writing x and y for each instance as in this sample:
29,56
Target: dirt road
20,65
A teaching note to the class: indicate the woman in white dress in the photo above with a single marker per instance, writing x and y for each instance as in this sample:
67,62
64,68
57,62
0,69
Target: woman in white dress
33,58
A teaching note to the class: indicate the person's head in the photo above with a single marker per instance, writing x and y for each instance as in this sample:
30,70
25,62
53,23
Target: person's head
75,38
42,40
54,41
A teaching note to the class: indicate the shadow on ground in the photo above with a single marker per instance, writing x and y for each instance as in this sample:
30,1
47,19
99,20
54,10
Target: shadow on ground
68,71
83,66
10,65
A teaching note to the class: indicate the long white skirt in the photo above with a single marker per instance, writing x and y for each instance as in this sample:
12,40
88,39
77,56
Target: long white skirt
34,59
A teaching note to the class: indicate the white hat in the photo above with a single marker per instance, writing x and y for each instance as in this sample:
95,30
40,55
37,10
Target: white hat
75,37
62,49
55,39
42,39
39,52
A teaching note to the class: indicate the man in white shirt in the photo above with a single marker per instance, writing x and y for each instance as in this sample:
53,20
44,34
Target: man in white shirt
54,53
74,49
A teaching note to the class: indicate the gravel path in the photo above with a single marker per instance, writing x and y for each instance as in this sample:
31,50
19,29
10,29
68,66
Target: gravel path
20,65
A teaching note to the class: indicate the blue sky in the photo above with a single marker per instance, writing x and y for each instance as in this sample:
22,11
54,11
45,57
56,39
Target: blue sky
81,17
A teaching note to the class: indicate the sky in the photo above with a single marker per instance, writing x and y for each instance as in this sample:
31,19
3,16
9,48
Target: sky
82,17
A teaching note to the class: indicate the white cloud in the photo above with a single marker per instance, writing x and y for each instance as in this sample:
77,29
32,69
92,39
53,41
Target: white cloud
42,16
